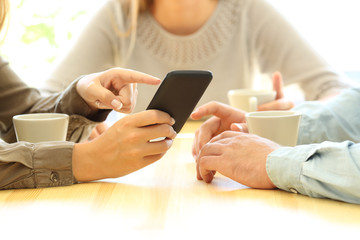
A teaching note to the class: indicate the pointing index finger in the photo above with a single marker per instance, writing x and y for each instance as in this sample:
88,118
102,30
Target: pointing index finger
132,76
212,108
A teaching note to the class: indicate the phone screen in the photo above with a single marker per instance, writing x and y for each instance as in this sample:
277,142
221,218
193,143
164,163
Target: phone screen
179,93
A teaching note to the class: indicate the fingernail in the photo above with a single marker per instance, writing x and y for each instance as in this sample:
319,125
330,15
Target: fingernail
116,104
241,129
172,121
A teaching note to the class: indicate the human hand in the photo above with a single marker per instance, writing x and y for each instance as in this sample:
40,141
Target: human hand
124,147
239,156
98,130
224,117
280,103
113,89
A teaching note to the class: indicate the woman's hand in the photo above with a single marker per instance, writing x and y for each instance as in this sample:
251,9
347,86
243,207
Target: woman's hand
280,103
113,89
125,147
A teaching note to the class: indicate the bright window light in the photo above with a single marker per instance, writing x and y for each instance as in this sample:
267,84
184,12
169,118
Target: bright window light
330,26
40,31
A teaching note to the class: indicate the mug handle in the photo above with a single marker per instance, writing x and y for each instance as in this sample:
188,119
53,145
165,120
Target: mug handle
253,103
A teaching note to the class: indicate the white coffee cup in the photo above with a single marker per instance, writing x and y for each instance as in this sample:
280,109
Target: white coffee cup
41,127
281,127
249,99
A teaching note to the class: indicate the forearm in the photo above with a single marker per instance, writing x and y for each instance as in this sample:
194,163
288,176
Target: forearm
26,165
335,120
82,118
17,98
279,47
84,159
69,102
326,170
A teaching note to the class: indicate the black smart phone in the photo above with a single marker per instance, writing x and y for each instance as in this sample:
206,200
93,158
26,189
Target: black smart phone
179,93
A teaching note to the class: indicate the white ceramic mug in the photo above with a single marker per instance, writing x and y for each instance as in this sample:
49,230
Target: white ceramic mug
41,127
249,99
281,127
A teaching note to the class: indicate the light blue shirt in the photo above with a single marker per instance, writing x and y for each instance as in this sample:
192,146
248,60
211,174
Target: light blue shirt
326,161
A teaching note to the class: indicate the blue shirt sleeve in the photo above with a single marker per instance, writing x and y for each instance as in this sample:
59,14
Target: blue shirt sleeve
336,120
328,167
326,170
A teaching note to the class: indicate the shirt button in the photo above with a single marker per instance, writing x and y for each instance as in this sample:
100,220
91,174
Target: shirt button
54,177
293,190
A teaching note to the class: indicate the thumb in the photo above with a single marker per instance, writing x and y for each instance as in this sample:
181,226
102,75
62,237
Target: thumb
278,85
104,97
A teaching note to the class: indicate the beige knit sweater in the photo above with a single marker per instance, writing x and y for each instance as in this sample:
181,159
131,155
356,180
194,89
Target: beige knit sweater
243,41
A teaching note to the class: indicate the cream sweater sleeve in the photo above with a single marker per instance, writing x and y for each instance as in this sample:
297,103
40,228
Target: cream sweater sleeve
277,46
267,39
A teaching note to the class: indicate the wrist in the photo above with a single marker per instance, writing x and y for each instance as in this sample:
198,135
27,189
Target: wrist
82,162
269,182
81,89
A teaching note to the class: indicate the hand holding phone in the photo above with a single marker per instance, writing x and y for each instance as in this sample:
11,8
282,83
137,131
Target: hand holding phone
179,93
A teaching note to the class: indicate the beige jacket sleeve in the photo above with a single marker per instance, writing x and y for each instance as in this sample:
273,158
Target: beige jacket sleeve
25,165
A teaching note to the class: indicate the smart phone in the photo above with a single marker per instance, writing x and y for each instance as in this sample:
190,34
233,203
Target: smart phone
179,93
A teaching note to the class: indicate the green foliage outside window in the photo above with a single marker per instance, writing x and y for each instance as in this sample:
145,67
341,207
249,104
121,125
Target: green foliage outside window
40,32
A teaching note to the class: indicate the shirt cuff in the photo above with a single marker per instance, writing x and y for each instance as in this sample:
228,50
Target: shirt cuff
72,103
284,166
53,164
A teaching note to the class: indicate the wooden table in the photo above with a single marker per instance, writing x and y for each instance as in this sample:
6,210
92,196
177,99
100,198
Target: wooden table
165,201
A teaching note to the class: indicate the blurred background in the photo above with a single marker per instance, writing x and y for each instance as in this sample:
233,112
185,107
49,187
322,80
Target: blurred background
41,30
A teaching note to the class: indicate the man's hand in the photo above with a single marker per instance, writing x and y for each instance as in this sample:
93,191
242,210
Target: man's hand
239,156
224,117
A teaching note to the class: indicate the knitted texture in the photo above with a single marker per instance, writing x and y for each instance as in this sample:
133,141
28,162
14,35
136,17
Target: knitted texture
194,48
